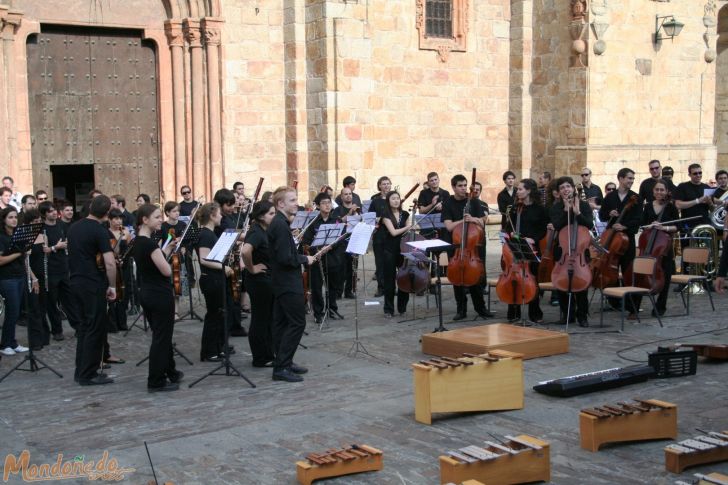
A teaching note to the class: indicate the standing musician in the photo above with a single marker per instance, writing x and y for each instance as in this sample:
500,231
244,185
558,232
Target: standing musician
543,182
614,204
157,299
12,280
431,199
507,196
243,202
255,254
327,271
592,192
552,195
647,184
690,198
120,243
349,182
347,207
384,185
529,221
90,288
394,220
477,192
35,295
721,177
188,204
289,309
453,210
569,208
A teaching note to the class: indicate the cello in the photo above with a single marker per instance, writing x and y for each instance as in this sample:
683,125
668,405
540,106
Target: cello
605,266
412,276
655,243
571,274
466,267
516,285
546,245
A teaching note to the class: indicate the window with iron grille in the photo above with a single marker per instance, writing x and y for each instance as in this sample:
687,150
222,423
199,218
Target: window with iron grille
439,18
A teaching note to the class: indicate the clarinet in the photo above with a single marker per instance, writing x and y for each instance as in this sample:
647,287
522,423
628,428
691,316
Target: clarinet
45,260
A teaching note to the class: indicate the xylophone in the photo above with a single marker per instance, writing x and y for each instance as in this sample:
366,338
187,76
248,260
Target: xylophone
714,478
639,420
337,462
708,448
519,459
484,382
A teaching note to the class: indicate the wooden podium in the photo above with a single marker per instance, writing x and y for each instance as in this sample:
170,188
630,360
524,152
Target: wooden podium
489,382
530,342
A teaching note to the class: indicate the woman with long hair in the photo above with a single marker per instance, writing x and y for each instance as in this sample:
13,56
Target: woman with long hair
394,224
157,299
378,204
255,256
12,279
36,295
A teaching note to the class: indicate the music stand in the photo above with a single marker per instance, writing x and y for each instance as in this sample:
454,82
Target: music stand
219,254
435,247
190,240
522,253
22,240
303,218
326,234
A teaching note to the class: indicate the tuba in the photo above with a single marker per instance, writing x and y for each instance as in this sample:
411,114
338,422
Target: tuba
702,236
717,217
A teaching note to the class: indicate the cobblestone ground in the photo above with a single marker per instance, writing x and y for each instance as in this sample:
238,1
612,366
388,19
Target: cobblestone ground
223,431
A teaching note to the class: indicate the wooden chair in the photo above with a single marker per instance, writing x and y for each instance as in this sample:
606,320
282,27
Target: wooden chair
693,256
644,265
443,263
491,283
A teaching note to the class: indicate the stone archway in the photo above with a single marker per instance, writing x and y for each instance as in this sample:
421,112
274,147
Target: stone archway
721,89
187,37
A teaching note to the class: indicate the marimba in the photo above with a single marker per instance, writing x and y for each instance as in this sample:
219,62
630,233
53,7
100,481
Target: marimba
708,448
485,382
337,462
639,420
519,459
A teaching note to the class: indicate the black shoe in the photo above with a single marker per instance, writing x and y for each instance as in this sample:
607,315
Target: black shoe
36,348
214,358
177,378
246,310
318,320
286,375
58,336
486,314
335,315
169,386
459,316
99,380
350,296
378,294
21,323
231,351
583,322
239,332
123,328
297,369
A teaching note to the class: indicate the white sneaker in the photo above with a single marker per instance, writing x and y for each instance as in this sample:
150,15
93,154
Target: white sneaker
20,348
7,351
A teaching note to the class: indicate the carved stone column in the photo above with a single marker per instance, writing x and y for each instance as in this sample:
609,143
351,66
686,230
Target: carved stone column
211,30
10,25
194,38
175,38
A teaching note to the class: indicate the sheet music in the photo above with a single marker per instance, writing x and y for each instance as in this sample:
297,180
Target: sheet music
427,244
222,246
709,192
359,240
327,234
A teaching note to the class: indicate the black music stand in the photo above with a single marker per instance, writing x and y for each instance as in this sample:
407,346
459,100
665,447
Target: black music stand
22,240
435,248
522,253
326,234
219,254
429,223
190,240
303,218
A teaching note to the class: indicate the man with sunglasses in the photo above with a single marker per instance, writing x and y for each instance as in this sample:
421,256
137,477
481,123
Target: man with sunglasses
188,204
647,184
592,192
690,198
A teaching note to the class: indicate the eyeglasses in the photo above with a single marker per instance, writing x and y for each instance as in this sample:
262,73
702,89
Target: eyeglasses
697,173
655,168
585,174
609,189
186,192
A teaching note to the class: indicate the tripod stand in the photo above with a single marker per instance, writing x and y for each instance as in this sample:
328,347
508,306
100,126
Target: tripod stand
190,315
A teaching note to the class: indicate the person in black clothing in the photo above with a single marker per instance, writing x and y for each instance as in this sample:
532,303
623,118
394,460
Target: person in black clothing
59,290
38,335
88,239
507,196
13,280
120,239
614,204
561,214
690,198
453,216
721,178
119,202
394,222
528,219
256,255
289,310
177,228
141,199
188,204
328,270
592,192
349,182
720,283
430,201
157,299
347,208
645,191
377,206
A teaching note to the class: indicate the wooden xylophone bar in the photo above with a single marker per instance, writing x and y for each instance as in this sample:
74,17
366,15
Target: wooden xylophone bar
466,360
696,451
336,462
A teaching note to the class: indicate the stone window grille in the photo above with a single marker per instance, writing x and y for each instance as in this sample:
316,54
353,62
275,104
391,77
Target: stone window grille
442,26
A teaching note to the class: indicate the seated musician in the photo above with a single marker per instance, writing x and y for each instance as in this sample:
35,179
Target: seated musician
569,208
528,219
453,216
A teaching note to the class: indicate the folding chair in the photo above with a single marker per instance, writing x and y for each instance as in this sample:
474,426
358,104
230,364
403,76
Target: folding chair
643,265
693,256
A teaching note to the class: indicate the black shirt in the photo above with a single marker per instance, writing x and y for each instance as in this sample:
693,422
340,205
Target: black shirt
207,239
631,218
453,210
426,196
687,191
504,200
560,219
179,228
86,239
149,276
377,206
593,191
127,219
58,260
648,184
186,208
391,243
258,238
15,268
285,262
229,221
333,256
36,262
533,221
355,199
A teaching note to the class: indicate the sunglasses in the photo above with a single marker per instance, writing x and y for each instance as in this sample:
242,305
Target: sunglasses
609,189
654,168
585,174
697,173
186,192
42,199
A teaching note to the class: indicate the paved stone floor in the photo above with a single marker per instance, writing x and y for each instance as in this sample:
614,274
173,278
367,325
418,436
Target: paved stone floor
223,431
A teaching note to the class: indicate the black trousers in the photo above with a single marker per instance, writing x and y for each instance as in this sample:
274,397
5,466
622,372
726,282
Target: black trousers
37,325
59,291
289,322
378,249
579,305
158,306
476,294
390,262
213,331
260,334
91,332
332,272
349,275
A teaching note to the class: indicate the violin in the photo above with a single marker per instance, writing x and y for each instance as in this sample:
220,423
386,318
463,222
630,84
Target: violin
466,268
546,245
176,268
605,267
656,243
516,285
571,273
412,276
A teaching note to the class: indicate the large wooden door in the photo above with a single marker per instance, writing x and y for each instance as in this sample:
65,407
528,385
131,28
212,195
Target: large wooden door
93,99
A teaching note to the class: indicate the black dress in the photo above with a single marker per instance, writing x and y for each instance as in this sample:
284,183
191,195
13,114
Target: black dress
391,260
